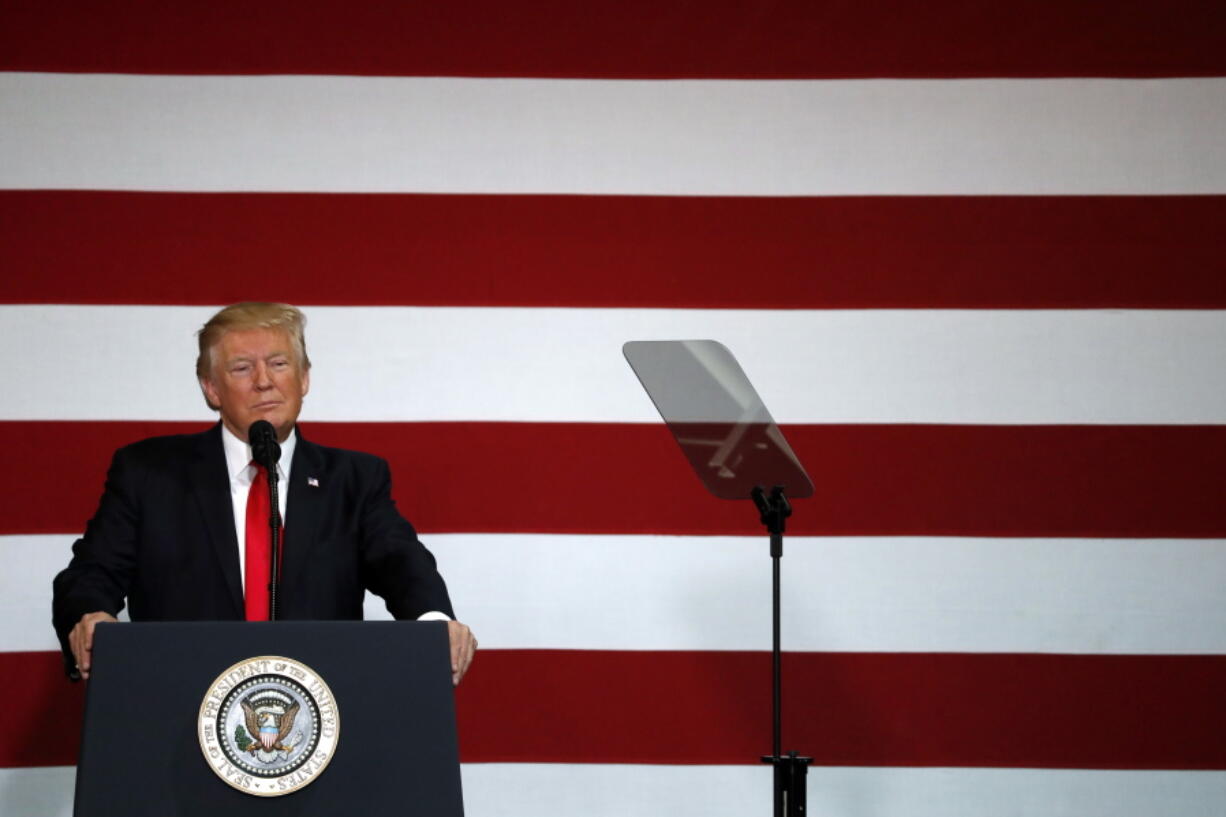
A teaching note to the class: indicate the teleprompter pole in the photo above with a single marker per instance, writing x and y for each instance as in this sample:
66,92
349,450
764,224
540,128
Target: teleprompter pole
790,770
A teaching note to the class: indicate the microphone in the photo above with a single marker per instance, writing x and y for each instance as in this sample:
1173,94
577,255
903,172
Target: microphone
264,447
265,451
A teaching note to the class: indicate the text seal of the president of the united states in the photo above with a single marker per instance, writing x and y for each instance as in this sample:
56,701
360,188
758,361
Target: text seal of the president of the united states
268,725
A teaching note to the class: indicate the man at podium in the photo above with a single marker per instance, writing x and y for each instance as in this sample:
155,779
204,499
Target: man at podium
182,533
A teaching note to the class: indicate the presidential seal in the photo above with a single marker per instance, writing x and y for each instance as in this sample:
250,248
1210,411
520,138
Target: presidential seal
268,725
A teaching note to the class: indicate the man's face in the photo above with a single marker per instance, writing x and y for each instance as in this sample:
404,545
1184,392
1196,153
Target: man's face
256,376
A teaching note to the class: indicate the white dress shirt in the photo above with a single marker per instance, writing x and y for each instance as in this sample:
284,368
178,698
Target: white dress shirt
242,473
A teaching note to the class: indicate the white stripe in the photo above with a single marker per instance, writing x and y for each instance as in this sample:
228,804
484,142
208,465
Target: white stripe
37,792
839,594
811,137
599,790
863,366
505,790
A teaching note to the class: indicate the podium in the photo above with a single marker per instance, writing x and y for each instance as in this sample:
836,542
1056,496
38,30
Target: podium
364,723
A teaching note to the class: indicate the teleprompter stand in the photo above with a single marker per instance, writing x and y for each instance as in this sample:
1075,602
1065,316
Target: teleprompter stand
736,449
791,770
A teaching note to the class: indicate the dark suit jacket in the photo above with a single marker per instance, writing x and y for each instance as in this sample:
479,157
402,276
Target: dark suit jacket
163,538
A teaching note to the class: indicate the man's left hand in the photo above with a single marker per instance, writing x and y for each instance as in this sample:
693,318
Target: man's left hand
463,646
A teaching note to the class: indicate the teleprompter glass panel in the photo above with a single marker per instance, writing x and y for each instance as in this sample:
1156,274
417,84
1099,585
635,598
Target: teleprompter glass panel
717,418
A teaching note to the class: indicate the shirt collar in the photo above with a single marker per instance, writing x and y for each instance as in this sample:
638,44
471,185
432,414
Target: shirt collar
238,453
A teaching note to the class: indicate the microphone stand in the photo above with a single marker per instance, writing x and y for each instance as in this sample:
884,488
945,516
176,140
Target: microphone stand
274,522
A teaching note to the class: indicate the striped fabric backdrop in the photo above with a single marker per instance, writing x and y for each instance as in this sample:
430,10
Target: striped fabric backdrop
973,256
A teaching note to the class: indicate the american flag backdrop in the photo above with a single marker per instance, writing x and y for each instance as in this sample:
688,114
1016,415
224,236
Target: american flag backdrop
973,255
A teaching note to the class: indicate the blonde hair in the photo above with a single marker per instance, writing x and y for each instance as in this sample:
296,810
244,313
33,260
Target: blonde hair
251,315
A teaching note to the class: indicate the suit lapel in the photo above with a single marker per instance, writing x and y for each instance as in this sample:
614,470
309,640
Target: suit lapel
303,510
211,485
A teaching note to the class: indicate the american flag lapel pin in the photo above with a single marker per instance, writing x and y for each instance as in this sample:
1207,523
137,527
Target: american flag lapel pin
314,483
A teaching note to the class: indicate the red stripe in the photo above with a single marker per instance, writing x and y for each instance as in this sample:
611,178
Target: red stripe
1125,481
611,251
854,709
42,711
848,709
618,38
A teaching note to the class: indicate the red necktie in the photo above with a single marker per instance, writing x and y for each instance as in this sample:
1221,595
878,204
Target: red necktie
258,547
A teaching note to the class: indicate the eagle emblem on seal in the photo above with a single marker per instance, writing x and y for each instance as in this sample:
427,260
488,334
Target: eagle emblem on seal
269,716
268,725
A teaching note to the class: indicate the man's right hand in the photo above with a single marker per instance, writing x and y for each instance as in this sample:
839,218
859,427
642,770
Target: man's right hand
81,639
